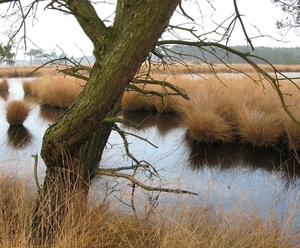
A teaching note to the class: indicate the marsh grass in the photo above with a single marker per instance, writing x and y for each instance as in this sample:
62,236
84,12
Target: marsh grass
26,71
232,110
4,85
258,128
224,109
17,112
54,91
219,68
27,87
134,101
16,204
92,226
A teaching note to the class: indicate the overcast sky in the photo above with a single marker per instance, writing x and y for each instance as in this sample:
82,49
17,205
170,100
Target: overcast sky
52,29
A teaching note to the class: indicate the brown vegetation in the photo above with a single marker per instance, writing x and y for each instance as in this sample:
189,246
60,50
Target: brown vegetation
4,85
232,109
228,109
25,71
178,69
99,226
17,112
55,91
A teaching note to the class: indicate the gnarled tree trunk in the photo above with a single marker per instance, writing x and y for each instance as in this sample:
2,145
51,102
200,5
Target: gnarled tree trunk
73,146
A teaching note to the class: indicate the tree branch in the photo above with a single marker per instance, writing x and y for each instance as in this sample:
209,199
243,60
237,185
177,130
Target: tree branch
110,173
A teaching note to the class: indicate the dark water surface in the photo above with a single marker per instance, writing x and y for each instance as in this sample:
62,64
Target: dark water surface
235,177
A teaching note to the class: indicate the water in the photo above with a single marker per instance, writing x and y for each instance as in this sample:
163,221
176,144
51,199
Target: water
238,178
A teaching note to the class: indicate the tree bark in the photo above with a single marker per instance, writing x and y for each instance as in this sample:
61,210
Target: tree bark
73,145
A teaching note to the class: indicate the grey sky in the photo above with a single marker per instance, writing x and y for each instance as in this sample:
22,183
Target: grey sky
52,29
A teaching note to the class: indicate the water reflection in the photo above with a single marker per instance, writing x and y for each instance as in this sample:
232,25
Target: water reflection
4,95
219,157
228,156
18,136
50,113
144,119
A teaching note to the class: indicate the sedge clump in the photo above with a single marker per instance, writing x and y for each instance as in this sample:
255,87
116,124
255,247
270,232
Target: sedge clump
17,112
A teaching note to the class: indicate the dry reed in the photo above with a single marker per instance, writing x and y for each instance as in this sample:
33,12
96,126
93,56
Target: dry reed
55,91
229,110
4,85
89,225
17,112
94,226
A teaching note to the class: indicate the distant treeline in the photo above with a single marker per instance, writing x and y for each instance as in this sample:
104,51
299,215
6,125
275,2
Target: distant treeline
278,55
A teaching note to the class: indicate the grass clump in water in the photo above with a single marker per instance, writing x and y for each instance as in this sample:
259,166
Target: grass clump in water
54,91
17,112
4,85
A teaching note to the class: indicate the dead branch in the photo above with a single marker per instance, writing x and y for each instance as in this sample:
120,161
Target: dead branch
110,173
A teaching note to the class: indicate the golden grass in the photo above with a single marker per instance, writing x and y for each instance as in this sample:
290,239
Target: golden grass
258,128
27,87
93,226
134,101
54,91
235,109
25,71
4,85
218,68
17,112
16,204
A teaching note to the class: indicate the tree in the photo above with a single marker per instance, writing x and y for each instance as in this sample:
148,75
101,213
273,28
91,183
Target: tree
34,54
6,56
38,56
72,147
292,8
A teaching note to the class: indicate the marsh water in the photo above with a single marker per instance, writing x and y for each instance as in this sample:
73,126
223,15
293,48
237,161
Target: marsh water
234,177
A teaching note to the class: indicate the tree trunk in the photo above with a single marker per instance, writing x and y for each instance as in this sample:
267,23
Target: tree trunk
73,146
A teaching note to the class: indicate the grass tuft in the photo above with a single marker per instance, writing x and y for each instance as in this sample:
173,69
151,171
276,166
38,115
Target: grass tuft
53,91
17,112
4,85
258,128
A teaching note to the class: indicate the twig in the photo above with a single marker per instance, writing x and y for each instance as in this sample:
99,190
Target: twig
36,180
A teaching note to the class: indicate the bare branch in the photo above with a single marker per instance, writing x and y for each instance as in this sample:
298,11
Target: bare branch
242,24
105,172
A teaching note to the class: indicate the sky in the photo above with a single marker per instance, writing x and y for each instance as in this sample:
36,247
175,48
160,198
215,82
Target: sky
52,30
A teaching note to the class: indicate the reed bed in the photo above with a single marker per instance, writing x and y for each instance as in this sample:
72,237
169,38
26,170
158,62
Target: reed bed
90,225
223,110
25,71
233,110
189,68
17,112
56,91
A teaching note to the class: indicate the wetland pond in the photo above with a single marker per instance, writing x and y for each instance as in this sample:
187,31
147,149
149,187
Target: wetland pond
236,178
